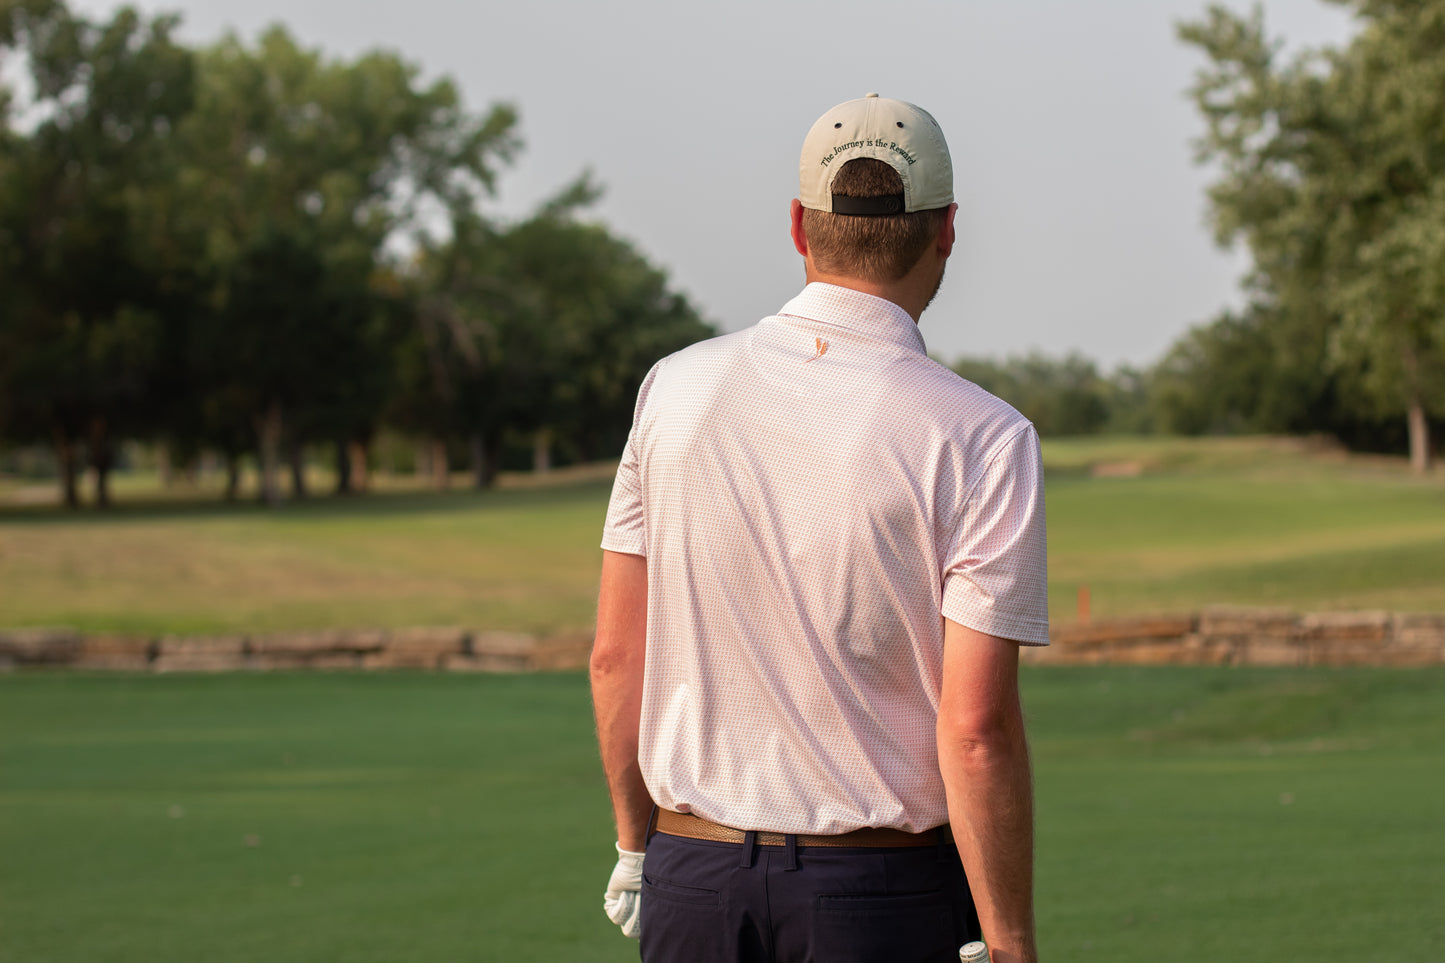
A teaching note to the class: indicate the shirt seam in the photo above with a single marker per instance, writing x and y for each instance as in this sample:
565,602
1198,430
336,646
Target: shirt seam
998,449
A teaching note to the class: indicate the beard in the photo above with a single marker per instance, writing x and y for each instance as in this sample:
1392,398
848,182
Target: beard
936,285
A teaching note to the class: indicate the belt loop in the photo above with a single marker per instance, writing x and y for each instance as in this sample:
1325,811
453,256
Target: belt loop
791,842
750,840
939,844
651,826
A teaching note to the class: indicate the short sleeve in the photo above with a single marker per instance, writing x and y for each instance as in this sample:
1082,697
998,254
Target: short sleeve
626,527
995,580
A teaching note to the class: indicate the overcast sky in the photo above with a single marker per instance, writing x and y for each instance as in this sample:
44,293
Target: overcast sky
1081,222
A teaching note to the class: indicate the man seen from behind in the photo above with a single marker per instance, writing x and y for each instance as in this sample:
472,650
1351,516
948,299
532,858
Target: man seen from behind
822,553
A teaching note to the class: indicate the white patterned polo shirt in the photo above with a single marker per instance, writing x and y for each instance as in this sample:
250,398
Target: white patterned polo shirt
812,494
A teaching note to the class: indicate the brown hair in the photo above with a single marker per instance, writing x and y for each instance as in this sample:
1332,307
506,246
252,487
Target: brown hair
876,248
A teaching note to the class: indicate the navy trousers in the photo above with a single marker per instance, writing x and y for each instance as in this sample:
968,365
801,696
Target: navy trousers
713,902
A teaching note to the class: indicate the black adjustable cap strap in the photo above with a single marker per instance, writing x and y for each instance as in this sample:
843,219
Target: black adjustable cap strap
874,206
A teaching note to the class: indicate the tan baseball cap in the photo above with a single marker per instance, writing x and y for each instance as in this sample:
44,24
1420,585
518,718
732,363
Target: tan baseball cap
903,135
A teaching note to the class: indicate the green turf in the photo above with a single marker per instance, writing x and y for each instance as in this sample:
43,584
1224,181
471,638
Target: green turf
1231,814
1172,524
1147,524
516,559
1184,814
397,817
1174,542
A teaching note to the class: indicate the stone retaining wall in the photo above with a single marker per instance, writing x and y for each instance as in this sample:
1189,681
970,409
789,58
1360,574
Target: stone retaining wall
1251,636
1216,636
451,649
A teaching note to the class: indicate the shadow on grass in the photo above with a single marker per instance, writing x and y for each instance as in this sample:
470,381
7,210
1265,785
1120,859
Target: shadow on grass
368,505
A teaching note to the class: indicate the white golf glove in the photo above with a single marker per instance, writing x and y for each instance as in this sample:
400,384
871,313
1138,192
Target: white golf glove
623,901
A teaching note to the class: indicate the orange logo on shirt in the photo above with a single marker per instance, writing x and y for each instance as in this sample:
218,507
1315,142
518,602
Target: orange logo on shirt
822,350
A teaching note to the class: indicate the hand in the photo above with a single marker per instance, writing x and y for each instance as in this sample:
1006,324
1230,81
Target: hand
623,900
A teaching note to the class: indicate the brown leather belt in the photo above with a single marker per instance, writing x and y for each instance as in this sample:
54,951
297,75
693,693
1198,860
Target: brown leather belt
695,827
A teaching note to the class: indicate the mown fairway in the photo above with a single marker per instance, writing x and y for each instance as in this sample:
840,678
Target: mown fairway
1239,521
1149,525
508,559
1184,814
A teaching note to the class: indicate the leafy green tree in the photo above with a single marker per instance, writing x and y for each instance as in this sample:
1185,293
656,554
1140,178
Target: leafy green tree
590,316
544,327
1127,392
83,238
1332,170
299,171
1212,380
203,249
1065,396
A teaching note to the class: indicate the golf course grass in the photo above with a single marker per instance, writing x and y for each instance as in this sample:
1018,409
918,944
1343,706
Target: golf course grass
1148,525
1183,814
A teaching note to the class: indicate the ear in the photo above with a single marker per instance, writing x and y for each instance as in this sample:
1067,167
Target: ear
945,233
800,237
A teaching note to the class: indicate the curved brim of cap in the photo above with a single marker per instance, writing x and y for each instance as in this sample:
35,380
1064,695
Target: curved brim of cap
901,134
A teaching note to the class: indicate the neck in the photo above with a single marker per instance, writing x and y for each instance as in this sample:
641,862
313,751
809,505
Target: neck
912,292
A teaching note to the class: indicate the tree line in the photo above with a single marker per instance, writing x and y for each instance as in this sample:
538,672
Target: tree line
253,249
1331,171
256,251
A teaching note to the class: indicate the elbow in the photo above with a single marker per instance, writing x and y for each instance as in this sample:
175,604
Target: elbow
602,662
980,741
965,745
609,659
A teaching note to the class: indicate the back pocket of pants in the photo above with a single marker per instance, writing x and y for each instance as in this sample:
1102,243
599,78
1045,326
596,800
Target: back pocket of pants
655,886
681,923
873,928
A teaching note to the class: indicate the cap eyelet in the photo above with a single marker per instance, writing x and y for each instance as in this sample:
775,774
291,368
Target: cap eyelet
900,123
836,126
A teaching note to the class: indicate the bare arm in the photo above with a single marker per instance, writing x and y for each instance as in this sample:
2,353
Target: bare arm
984,758
618,656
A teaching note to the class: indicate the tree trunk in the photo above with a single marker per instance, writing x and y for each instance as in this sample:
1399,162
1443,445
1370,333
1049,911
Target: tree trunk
440,470
1419,428
586,448
1417,425
164,468
486,458
358,456
102,460
297,458
542,451
66,458
482,468
233,475
343,468
423,459
268,436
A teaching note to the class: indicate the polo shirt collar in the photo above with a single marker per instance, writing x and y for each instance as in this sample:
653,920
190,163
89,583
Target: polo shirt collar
862,313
